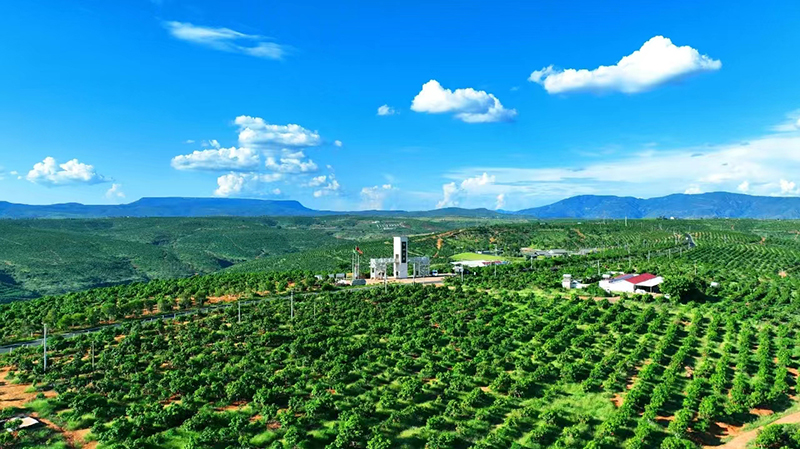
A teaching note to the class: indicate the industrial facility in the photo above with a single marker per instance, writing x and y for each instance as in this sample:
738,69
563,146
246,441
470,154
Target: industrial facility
400,263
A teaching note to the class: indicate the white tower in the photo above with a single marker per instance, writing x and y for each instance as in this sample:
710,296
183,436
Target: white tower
566,282
401,257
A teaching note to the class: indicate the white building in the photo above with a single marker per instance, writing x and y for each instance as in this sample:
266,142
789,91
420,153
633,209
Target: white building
478,263
400,262
632,283
568,283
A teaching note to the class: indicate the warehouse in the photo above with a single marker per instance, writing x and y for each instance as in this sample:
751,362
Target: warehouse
632,283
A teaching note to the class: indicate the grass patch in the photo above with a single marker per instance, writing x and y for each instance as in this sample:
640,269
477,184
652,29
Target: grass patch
475,256
42,407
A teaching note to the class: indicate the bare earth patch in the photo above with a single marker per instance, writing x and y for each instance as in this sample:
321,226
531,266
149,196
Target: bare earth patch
741,439
14,395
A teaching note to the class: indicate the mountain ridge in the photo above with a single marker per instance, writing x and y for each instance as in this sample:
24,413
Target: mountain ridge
704,205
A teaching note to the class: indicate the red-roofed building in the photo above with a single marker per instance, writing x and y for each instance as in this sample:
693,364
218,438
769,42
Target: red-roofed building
632,283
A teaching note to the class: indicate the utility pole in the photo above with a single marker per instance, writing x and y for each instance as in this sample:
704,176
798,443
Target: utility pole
92,355
240,311
45,349
598,268
291,303
385,283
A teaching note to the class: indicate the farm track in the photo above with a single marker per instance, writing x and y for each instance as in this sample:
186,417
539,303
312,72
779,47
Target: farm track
741,440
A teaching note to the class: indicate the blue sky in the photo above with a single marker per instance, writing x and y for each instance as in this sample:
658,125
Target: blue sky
488,104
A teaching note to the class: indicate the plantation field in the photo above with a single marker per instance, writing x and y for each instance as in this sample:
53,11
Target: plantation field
501,358
42,257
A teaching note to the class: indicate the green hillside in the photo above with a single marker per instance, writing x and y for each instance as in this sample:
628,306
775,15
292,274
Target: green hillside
41,257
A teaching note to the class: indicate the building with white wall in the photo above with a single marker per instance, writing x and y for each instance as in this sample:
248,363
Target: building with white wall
632,283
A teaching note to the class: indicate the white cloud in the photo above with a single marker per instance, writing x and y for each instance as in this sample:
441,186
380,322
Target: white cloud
372,198
449,193
246,184
338,143
188,141
789,188
115,192
211,143
386,110
452,193
256,131
792,123
756,164
226,39
49,172
291,162
331,188
501,201
744,187
317,181
468,105
657,62
693,190
238,159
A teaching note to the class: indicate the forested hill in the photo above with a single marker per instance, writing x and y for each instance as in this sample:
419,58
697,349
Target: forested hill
706,205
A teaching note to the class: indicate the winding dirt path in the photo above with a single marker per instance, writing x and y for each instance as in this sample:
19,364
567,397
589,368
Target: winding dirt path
741,440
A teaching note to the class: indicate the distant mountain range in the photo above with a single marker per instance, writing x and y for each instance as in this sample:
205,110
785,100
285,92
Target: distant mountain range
706,205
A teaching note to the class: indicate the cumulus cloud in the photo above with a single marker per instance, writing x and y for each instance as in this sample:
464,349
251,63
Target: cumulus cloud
247,184
386,110
657,62
744,187
788,188
115,192
291,162
501,201
221,159
693,190
49,172
317,181
372,198
453,193
256,131
330,186
468,105
226,39
338,143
